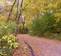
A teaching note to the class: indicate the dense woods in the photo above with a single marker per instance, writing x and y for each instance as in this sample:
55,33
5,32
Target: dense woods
34,17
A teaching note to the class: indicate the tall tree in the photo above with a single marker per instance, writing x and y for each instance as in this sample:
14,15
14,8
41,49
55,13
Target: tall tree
11,10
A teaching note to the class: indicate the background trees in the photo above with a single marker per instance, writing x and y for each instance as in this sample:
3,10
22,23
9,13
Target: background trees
30,9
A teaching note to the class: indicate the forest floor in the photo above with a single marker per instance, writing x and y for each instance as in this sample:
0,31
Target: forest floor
36,46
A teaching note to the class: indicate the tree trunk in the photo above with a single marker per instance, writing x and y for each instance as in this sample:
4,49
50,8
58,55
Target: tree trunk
11,11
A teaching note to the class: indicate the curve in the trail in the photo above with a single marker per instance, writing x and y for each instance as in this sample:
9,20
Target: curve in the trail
40,46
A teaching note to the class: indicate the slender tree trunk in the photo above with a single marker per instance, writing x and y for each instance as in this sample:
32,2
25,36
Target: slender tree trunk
17,13
17,29
11,11
20,14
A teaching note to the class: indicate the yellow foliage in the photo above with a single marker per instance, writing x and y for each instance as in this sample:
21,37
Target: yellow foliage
31,8
35,7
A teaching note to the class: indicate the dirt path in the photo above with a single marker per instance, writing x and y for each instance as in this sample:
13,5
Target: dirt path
39,46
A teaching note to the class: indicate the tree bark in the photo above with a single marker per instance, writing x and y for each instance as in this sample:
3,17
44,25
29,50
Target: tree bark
20,14
11,11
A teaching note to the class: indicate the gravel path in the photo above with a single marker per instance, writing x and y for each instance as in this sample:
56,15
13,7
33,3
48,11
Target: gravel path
40,46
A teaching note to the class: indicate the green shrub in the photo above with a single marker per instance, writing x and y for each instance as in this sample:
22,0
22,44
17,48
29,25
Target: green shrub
23,29
7,40
43,24
58,27
7,28
7,44
11,27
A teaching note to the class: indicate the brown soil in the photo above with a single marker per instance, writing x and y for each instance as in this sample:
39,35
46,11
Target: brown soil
35,46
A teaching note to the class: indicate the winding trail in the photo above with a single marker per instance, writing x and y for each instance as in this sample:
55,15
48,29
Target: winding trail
39,46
